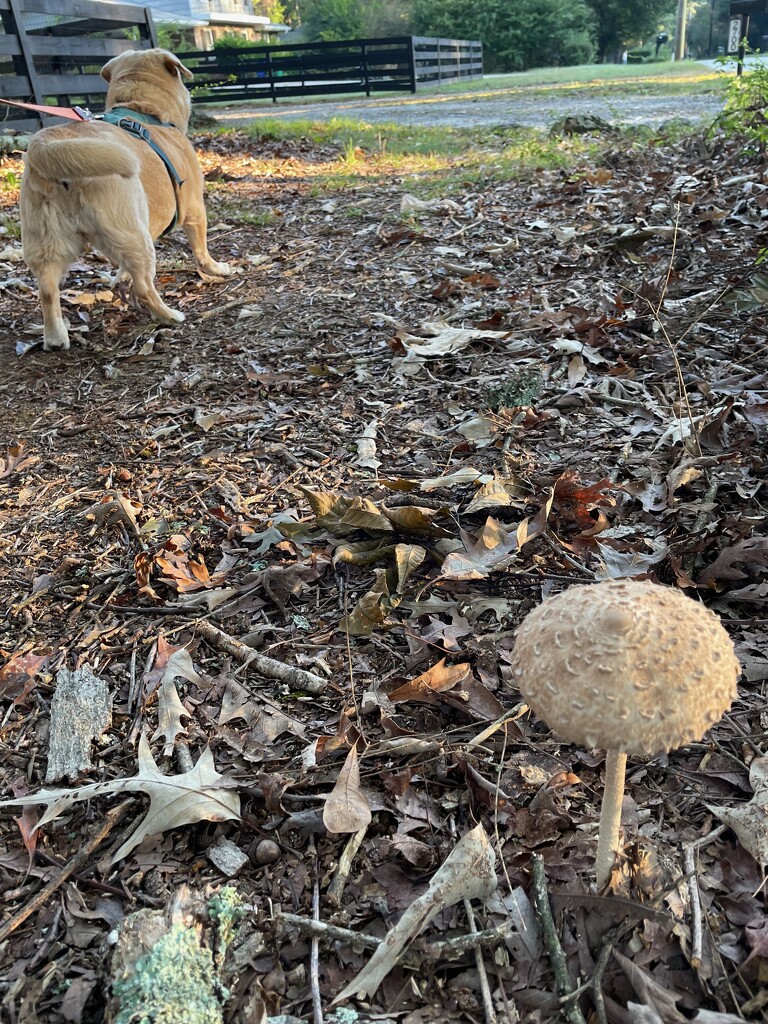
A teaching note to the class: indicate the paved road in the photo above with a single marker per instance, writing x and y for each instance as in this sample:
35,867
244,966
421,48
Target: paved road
493,109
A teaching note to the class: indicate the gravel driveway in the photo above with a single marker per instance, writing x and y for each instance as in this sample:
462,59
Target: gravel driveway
492,109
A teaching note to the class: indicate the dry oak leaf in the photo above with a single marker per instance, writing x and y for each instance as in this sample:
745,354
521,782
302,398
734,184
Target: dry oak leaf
347,808
13,462
439,678
201,794
17,675
750,821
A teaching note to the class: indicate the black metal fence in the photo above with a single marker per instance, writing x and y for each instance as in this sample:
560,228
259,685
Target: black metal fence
400,63
51,53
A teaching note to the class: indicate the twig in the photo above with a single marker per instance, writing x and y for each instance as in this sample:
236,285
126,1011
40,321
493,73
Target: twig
597,982
314,955
298,678
336,888
554,950
76,864
446,949
490,1013
693,889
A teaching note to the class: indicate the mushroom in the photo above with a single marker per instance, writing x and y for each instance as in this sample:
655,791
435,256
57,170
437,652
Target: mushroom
628,667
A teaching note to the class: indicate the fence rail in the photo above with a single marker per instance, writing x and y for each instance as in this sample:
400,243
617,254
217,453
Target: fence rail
400,63
54,58
51,58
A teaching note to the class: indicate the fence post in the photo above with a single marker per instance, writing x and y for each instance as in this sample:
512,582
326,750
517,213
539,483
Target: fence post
364,68
26,53
150,23
271,73
412,63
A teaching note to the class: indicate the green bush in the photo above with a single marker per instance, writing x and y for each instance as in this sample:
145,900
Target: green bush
744,113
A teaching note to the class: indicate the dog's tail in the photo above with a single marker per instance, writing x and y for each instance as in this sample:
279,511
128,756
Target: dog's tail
71,159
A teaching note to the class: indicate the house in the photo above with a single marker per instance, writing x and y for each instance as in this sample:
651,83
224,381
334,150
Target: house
199,23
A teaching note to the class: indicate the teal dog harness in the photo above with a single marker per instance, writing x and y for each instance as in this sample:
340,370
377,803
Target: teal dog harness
134,122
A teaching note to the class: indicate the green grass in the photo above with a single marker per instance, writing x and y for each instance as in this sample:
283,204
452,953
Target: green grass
434,161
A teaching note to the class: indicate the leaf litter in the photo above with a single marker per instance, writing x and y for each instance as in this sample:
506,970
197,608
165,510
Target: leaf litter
366,457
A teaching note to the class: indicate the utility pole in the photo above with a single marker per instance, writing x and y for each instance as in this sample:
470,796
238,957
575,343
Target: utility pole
682,18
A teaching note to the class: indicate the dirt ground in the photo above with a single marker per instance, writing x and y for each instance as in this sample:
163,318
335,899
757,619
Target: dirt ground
499,108
368,455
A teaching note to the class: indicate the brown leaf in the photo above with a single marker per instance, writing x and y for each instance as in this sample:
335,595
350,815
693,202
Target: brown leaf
174,800
440,677
17,675
347,808
13,461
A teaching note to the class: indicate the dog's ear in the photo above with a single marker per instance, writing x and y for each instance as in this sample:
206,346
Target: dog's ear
106,71
174,66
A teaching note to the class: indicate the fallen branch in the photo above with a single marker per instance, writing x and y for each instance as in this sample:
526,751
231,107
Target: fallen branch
297,678
552,942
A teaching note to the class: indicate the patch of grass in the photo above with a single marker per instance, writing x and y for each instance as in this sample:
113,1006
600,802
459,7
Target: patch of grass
438,160
244,214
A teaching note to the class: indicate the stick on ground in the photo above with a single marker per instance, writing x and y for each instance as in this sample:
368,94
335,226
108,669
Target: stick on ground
298,678
552,941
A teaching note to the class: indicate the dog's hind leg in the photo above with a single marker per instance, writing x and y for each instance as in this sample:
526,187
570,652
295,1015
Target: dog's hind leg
49,274
134,253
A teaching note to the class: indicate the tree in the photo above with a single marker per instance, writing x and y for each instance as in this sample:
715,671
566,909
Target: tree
528,33
329,20
620,22
708,28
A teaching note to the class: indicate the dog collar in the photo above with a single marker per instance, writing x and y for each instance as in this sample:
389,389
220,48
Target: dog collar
134,121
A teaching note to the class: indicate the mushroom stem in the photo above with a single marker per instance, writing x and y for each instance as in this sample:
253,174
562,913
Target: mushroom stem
610,816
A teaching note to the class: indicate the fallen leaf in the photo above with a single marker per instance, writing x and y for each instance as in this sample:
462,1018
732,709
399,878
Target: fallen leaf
18,674
175,800
467,873
347,808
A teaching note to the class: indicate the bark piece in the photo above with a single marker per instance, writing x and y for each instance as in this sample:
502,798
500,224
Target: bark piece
81,711
227,857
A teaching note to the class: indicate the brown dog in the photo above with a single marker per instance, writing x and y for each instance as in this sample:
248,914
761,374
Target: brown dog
94,183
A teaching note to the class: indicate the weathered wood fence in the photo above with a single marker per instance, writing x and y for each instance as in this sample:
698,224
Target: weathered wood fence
400,63
53,58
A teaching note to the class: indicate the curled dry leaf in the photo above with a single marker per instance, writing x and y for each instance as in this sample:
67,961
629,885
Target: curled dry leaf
750,821
18,674
347,808
467,873
437,679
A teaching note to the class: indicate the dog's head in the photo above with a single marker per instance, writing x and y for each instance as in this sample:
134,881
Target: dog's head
151,82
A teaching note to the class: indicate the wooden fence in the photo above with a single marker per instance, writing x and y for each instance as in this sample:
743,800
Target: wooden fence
400,63
52,58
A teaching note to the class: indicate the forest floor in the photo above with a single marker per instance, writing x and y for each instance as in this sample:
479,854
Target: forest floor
436,391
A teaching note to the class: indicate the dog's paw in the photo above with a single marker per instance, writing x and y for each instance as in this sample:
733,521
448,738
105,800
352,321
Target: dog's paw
56,344
174,317
215,270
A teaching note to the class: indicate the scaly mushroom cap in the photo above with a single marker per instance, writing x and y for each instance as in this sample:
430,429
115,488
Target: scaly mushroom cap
626,665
